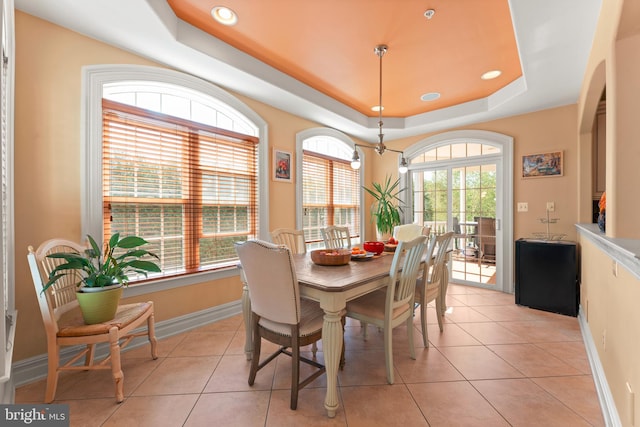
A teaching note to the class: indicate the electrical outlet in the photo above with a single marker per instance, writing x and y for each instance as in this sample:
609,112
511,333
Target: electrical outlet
523,207
551,206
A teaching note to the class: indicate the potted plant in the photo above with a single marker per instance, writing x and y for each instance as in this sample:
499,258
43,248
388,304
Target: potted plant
102,274
386,209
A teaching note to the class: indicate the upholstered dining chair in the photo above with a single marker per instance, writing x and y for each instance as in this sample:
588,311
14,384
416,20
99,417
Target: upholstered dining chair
410,231
430,286
278,314
293,239
336,237
64,325
393,306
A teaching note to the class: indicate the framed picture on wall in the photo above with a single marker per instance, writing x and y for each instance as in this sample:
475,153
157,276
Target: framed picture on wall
542,165
282,164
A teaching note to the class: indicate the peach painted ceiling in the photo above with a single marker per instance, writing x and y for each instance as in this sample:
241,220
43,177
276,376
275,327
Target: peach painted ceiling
329,45
315,59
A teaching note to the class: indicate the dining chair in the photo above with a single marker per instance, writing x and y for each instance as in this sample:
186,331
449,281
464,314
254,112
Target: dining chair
410,231
431,285
278,314
291,238
336,237
64,325
393,306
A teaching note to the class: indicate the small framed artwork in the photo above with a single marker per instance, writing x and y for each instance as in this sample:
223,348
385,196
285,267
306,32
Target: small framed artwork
282,164
542,165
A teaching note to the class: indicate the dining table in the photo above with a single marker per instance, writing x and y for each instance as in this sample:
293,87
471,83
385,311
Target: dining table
332,286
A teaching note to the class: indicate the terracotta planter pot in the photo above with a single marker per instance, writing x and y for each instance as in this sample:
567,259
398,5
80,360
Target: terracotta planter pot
99,306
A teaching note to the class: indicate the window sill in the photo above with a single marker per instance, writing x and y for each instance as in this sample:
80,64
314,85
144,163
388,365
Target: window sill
177,282
625,252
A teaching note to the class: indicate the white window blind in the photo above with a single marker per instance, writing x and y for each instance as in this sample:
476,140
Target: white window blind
188,188
330,195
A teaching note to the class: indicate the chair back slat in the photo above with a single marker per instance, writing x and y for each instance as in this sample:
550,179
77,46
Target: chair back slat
402,283
293,239
410,231
336,237
434,275
271,279
62,294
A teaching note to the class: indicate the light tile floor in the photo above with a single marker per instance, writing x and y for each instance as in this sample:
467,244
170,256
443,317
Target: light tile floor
495,364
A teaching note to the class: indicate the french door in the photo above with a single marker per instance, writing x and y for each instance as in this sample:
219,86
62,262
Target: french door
463,181
462,196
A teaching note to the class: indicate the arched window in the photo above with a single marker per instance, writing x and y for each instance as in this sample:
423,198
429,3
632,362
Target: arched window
329,188
181,163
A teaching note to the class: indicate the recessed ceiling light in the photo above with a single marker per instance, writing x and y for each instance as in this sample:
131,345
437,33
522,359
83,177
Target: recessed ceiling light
491,74
224,15
431,96
377,108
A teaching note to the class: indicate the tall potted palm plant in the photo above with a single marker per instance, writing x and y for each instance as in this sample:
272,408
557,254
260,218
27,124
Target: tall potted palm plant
386,209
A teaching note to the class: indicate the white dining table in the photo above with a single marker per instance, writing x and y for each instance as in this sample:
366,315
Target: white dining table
332,287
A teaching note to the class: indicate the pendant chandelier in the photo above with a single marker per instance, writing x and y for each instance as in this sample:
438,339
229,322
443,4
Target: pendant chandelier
380,148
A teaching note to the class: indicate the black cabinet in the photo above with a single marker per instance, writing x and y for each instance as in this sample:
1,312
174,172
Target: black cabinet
547,275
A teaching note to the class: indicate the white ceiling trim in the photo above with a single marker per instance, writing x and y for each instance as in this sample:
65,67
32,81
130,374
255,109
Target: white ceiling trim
554,38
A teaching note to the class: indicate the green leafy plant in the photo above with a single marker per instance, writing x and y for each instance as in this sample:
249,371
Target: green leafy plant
387,208
99,269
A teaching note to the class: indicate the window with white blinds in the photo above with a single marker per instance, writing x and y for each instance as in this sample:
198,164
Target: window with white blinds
330,195
188,188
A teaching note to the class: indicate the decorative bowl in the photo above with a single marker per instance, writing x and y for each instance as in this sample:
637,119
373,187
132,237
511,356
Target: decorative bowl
375,247
331,256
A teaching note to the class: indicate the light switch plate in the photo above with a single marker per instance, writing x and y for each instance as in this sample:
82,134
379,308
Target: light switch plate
523,207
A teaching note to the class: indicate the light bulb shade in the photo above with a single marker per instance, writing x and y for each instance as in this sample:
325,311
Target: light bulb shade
355,160
403,166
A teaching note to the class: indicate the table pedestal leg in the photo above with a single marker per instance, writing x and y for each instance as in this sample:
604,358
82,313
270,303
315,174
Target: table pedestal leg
332,336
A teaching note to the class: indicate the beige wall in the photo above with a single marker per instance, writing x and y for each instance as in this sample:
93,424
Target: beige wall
610,304
538,132
610,301
47,164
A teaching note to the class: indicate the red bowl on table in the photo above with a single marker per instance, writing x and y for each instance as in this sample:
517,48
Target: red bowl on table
375,247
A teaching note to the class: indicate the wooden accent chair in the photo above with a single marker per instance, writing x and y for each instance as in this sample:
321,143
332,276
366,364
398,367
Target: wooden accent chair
293,239
393,306
336,237
278,314
65,326
430,286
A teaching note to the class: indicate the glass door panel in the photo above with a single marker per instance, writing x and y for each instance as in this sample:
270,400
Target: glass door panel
462,199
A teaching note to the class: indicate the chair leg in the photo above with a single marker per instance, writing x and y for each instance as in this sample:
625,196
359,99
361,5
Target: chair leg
314,349
439,311
151,330
116,367
412,347
257,342
295,366
423,324
388,353
52,373
91,351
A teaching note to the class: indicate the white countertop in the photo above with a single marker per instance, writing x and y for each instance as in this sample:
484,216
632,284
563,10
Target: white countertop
625,251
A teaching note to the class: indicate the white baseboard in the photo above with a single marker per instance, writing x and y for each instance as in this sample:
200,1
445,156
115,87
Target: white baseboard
35,368
608,405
